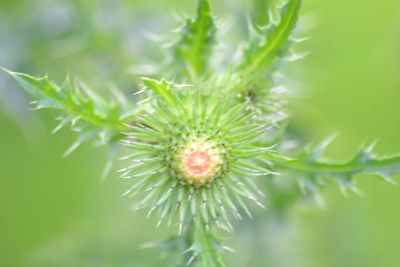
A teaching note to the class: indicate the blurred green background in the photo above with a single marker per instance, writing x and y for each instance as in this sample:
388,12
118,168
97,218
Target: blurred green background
55,212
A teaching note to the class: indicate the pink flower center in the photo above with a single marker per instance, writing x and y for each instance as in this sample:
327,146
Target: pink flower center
198,163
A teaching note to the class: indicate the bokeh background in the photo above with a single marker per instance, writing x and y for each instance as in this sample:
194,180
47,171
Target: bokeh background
55,212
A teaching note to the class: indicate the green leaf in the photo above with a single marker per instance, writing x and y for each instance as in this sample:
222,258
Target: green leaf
265,48
161,88
192,51
88,113
312,170
251,77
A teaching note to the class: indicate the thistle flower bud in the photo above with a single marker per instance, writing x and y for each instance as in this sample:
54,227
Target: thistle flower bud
192,157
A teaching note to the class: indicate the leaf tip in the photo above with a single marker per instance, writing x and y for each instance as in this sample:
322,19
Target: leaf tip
12,73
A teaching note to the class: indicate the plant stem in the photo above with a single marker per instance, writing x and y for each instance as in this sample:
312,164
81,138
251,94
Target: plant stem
187,241
322,167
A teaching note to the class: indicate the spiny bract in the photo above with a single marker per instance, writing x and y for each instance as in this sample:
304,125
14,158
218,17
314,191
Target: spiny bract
194,156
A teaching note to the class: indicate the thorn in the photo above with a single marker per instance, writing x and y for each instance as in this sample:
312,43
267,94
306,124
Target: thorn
389,180
320,201
159,223
74,121
238,216
180,228
150,188
223,226
128,125
57,128
271,17
190,260
123,170
72,148
343,190
150,212
329,139
299,56
143,101
147,245
230,227
127,192
260,192
138,92
300,40
8,71
125,157
256,201
229,249
371,146
249,214
106,171
357,191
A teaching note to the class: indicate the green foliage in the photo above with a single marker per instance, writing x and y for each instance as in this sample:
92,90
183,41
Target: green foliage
207,246
88,114
251,76
196,148
192,50
161,89
312,170
268,43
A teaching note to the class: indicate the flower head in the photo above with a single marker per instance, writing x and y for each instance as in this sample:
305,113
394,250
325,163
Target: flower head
191,155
